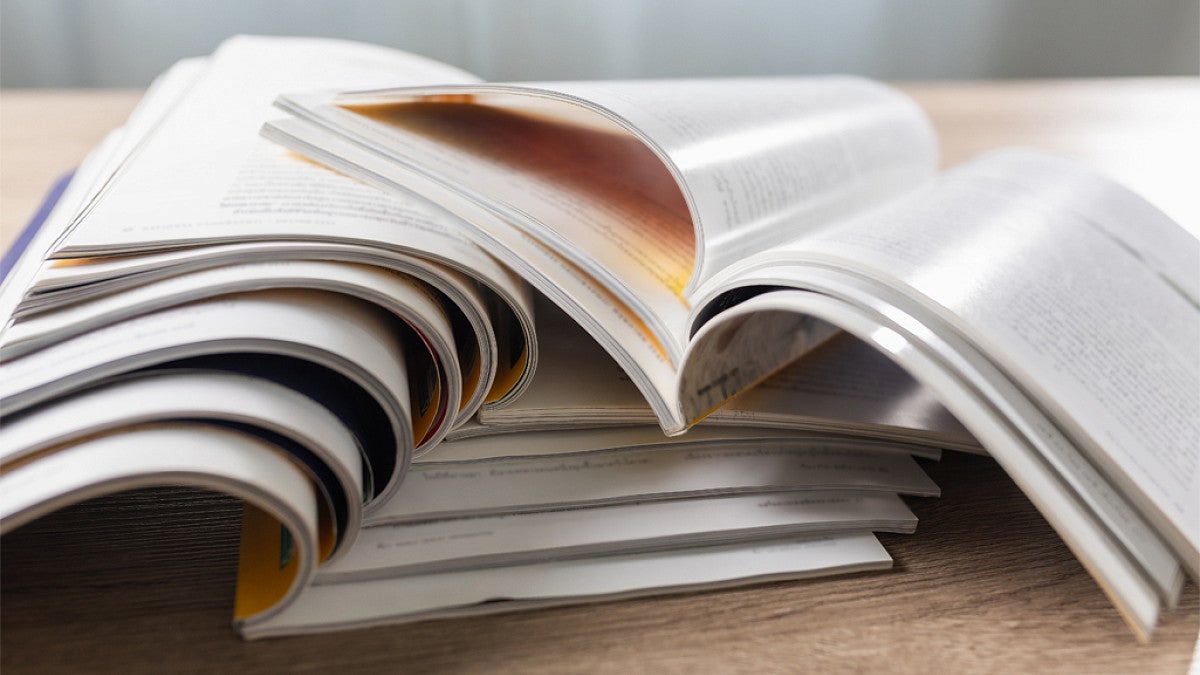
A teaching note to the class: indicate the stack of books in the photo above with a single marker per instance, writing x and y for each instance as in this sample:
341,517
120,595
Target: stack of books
465,347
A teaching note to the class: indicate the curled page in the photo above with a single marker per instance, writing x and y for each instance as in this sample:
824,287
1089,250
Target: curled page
281,531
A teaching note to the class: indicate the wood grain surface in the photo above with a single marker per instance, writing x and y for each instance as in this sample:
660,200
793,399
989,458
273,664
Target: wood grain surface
144,581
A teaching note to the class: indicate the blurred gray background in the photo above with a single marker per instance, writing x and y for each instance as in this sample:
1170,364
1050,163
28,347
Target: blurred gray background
103,43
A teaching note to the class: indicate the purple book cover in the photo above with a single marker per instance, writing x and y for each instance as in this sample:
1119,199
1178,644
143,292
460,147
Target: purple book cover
31,229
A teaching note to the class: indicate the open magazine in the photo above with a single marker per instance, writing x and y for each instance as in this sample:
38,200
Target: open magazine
442,390
708,233
338,345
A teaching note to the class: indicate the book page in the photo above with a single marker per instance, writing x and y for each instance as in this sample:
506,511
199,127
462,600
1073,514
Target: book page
1131,563
205,397
598,197
476,311
1055,274
426,328
237,186
474,441
439,490
393,550
849,387
349,337
756,160
90,176
391,600
606,320
276,490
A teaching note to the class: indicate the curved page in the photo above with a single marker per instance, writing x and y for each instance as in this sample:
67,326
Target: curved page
496,307
177,191
1135,577
844,387
650,186
604,317
1080,292
348,337
272,570
330,451
436,371
95,170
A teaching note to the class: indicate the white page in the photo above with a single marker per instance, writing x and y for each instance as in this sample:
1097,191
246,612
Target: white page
978,398
476,297
203,396
474,441
851,386
1104,336
388,550
161,98
1036,435
848,387
757,159
436,490
304,319
91,174
348,337
214,183
404,297
398,234
594,202
366,603
608,321
199,455
195,455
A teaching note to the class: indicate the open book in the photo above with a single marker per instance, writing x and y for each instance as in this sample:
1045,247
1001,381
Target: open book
777,257
708,233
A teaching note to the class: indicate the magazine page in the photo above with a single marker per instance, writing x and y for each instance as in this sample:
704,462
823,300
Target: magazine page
396,550
440,490
647,186
163,96
600,188
503,589
317,440
350,338
1136,569
846,386
480,311
474,441
432,340
173,175
1081,292
92,173
603,316
750,161
281,506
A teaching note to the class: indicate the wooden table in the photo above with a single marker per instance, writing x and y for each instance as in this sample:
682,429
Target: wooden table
144,581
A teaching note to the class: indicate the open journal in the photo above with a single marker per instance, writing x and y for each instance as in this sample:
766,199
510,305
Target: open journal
468,347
